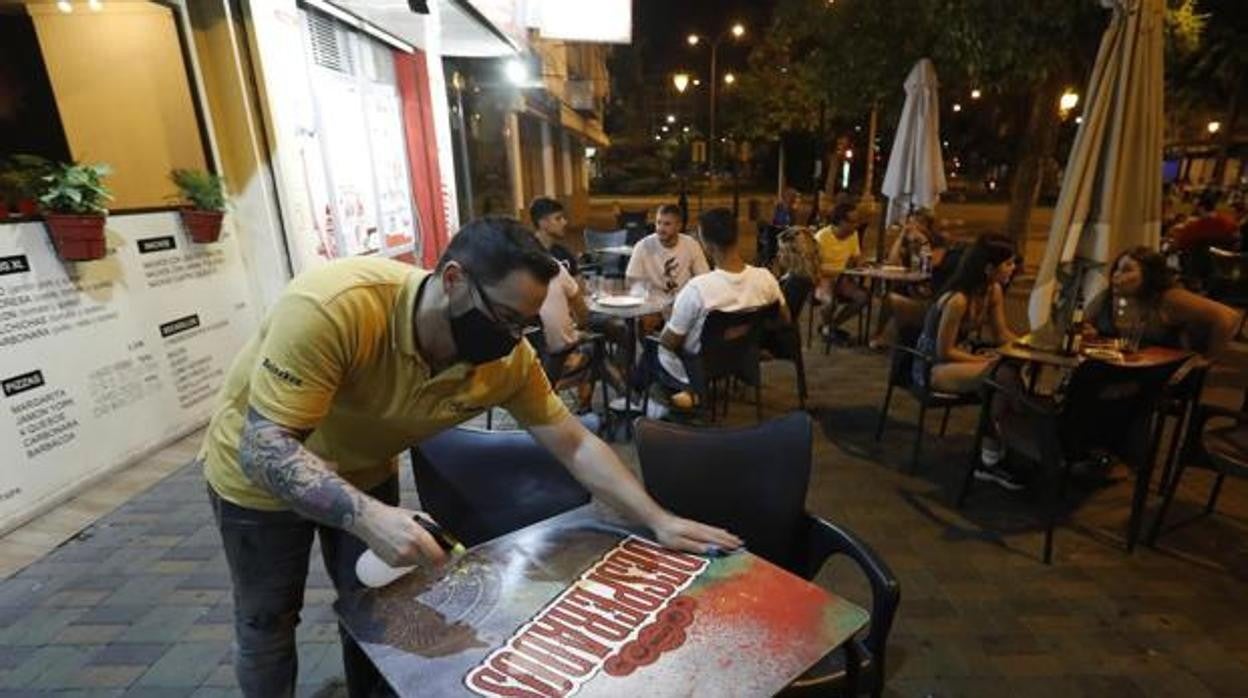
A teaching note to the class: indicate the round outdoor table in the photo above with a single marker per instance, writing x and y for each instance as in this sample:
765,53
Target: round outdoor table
885,276
629,314
1024,351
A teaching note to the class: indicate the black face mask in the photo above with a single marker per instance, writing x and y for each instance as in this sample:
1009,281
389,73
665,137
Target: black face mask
479,340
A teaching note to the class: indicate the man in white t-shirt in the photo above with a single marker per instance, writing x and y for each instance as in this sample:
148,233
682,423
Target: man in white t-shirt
733,286
664,261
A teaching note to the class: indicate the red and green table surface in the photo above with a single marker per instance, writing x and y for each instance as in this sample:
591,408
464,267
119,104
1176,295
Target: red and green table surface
575,605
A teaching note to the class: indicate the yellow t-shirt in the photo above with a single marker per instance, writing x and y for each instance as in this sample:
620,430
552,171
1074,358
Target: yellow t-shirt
835,253
337,356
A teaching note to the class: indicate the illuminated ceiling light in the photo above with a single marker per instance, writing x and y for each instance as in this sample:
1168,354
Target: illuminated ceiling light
1214,126
64,6
693,39
697,82
590,151
738,30
976,94
95,5
1069,101
516,71
681,81
729,78
957,107
671,118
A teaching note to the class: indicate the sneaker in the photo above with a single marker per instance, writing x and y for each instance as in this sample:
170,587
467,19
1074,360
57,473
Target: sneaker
999,476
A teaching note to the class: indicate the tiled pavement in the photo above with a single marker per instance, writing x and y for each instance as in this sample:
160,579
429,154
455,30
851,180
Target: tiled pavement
138,604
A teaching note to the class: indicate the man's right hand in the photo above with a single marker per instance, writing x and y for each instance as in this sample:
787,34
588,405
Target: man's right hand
393,534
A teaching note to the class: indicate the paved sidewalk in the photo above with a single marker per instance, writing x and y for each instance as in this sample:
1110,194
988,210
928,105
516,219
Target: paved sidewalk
138,604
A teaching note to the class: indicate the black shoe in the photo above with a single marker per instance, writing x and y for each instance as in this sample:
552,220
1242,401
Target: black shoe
999,476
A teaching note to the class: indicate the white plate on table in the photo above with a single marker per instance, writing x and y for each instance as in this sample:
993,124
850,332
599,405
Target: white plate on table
892,268
620,301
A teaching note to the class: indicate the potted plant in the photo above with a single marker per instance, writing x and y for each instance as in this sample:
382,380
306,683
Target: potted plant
206,192
73,198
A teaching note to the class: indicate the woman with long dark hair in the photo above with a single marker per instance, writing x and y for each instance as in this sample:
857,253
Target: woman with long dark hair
972,300
1169,315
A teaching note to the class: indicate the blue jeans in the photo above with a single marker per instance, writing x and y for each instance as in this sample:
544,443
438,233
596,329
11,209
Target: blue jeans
268,553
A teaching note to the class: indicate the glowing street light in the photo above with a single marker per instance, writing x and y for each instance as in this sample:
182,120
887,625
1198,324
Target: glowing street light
685,129
671,118
665,129
729,78
976,94
735,32
738,30
697,82
681,81
1069,101
1214,127
693,39
957,107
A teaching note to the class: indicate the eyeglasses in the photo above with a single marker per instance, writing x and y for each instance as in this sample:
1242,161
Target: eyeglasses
515,327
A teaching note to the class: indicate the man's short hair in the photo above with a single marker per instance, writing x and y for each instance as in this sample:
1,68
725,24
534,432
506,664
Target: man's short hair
543,206
841,213
492,247
718,227
667,210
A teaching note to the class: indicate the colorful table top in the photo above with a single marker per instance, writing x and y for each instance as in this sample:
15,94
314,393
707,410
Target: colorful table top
575,605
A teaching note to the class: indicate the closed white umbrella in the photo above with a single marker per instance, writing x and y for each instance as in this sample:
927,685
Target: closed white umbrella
916,170
1111,192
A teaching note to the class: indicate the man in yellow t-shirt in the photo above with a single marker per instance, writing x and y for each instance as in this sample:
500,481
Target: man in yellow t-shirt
839,249
357,361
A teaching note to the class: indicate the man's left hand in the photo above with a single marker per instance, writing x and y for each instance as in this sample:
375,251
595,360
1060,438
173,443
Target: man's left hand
693,537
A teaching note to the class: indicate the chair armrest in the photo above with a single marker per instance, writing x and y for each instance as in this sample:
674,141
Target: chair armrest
825,539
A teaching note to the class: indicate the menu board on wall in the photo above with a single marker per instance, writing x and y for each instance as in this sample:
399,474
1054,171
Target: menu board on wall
104,361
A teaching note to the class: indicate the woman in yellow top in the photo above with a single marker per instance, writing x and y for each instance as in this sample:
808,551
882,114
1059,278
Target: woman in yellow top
839,249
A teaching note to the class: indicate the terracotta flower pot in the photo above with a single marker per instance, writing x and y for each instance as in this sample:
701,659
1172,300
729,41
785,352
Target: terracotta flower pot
77,238
202,226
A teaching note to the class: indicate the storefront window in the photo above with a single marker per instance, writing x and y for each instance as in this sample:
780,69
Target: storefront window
103,82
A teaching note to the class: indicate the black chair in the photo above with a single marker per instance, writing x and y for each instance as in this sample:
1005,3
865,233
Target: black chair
782,341
483,484
1222,448
1103,407
1228,277
610,265
634,224
731,350
753,481
592,372
901,375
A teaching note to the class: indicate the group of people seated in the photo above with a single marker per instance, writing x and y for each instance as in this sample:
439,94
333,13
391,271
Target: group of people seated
671,269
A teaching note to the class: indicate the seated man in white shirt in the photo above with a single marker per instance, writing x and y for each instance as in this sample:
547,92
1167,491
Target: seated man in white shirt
664,261
734,286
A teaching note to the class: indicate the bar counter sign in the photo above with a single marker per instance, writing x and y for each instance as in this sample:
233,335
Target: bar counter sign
575,606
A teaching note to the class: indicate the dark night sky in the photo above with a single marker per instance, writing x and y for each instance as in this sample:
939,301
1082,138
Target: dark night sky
662,25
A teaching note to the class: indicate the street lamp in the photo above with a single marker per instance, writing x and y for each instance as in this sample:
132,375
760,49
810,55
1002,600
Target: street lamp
736,32
976,94
1213,127
957,107
1069,101
681,81
671,118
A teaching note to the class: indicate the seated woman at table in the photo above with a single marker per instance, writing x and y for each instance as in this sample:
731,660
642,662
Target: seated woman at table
840,249
916,237
974,299
1171,315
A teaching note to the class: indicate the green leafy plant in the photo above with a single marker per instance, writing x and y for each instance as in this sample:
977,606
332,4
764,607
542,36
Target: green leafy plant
75,188
204,189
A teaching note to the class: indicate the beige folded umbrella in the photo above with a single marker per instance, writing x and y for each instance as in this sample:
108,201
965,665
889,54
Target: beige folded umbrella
1111,192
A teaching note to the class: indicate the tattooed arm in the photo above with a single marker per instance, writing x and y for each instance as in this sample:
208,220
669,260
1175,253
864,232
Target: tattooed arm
273,456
